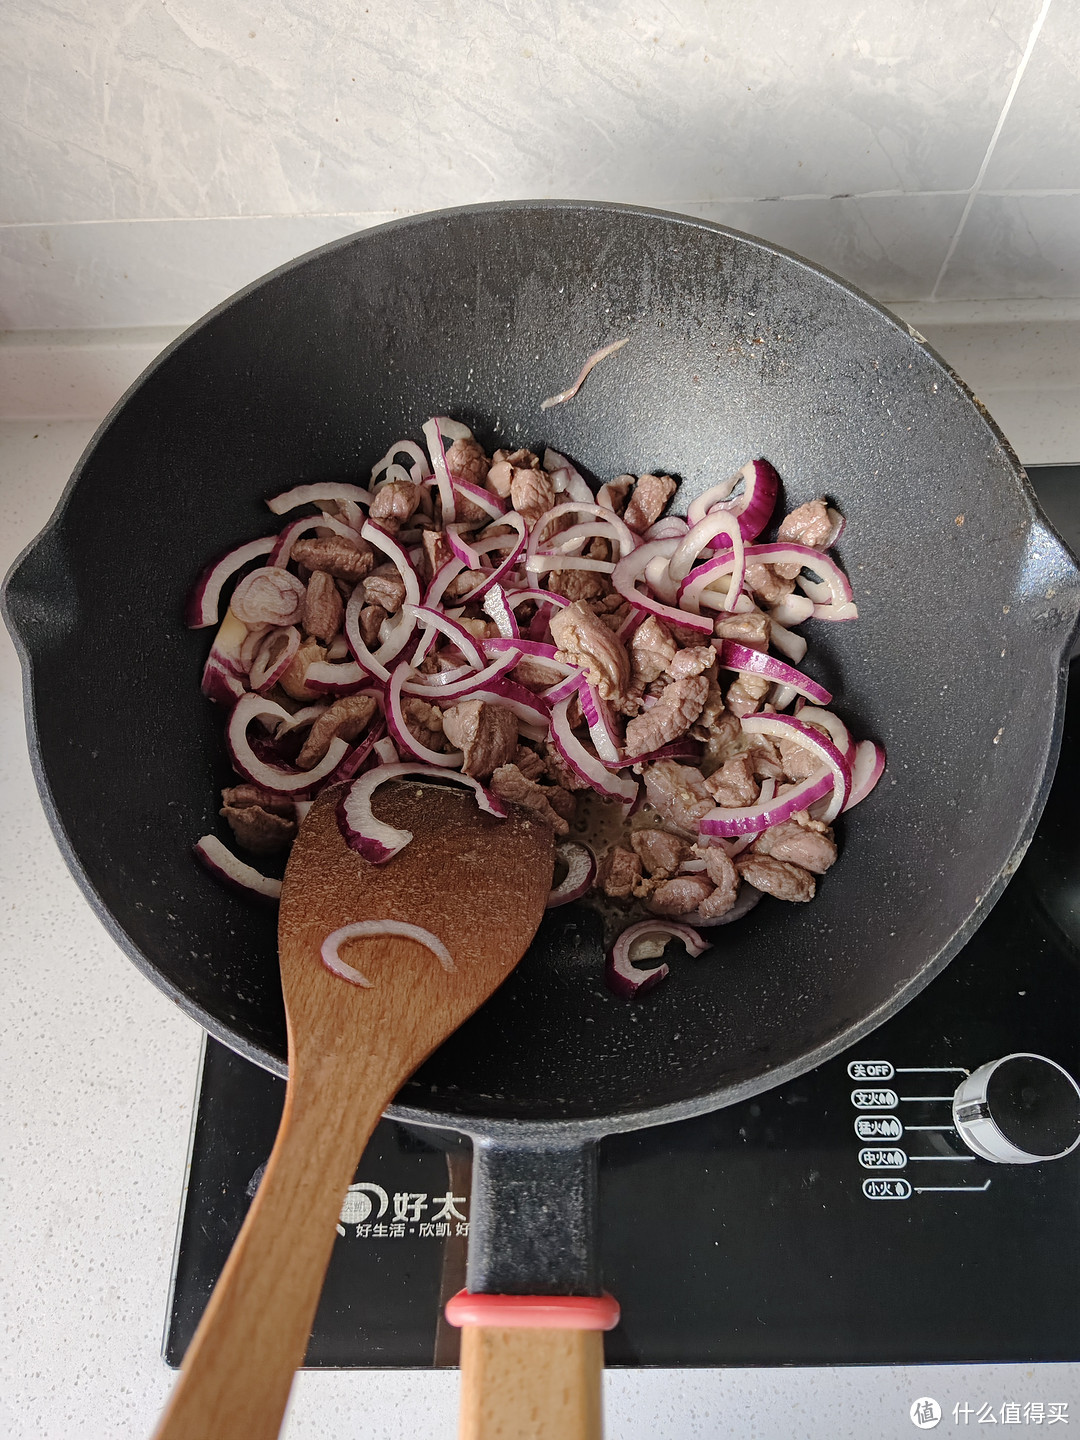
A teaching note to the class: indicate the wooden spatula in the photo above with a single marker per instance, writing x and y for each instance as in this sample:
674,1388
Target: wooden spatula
477,883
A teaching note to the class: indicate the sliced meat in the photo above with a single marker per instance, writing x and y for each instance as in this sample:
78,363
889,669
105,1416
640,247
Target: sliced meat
371,619
511,784
466,459
764,582
261,822
324,608
531,493
584,640
463,583
529,762
579,584
776,877
617,872
436,552
671,716
677,793
722,873
394,502
561,801
745,694
680,895
500,476
487,734
751,630
345,720
798,761
556,768
734,785
693,660
808,525
660,853
651,650
765,759
385,587
344,559
292,682
241,796
613,495
424,721
648,501
810,849
534,674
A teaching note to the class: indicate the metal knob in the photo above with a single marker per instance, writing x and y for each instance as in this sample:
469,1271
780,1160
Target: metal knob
1019,1110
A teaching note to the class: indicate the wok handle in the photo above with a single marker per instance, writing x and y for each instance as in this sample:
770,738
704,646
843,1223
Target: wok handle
525,1384
239,1367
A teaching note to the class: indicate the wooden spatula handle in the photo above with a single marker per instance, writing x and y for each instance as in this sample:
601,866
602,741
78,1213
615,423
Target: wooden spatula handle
236,1376
520,1384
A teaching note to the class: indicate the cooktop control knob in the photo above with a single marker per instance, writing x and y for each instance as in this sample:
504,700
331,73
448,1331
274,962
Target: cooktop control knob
1019,1110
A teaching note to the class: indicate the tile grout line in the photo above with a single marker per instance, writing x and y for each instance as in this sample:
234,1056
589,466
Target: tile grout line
1009,98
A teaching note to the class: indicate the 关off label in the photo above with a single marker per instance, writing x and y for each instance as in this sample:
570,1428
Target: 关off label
870,1070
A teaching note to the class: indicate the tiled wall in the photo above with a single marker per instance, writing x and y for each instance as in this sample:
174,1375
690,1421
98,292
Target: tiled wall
160,153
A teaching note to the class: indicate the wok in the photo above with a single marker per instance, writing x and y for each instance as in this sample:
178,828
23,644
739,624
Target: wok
967,604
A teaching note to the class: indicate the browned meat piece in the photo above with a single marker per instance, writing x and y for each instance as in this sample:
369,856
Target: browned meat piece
803,818
531,493
660,853
561,801
344,559
346,719
487,734
579,584
617,872
558,770
261,822
764,582
677,793
808,525
733,785
651,650
500,476
534,674
466,460
765,759
799,762
750,630
745,694
616,491
810,849
776,877
511,784
371,619
584,640
613,619
647,503
721,871
462,584
394,502
693,660
670,717
436,552
292,682
385,587
529,762
425,722
680,895
324,608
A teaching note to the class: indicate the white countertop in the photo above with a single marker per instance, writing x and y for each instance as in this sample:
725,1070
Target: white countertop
99,1069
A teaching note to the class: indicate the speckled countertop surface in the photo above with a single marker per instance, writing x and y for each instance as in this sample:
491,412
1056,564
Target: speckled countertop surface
97,1081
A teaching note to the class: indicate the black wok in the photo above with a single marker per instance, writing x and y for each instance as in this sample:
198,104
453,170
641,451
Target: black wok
967,603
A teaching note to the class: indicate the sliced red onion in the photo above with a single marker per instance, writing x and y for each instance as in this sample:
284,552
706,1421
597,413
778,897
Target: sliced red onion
269,596
789,727
792,610
526,706
456,632
428,687
387,751
220,684
781,696
707,532
505,565
619,531
787,642
357,756
361,928
752,507
752,819
437,451
250,648
403,736
545,564
229,641
202,604
224,865
700,506
499,645
273,658
338,649
836,582
866,770
733,656
514,598
668,527
495,604
392,548
272,777
485,499
839,524
307,716
390,649
685,748
282,551
594,359
632,567
659,580
379,842
603,727
846,611
745,901
564,688
302,807
419,469
580,865
317,494
622,975
588,767
831,723
343,677
446,572
576,486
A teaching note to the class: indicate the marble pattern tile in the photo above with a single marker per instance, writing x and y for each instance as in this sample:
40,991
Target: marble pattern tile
1039,145
1016,245
184,108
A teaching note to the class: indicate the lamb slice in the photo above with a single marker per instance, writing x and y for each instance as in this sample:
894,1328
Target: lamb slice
346,719
648,501
808,525
344,559
810,849
776,877
651,651
671,716
579,584
692,660
799,761
584,640
752,630
764,582
680,895
558,770
511,784
734,785
617,872
745,694
487,734
394,502
659,852
529,762
385,587
466,459
677,793
532,492
721,871
260,821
